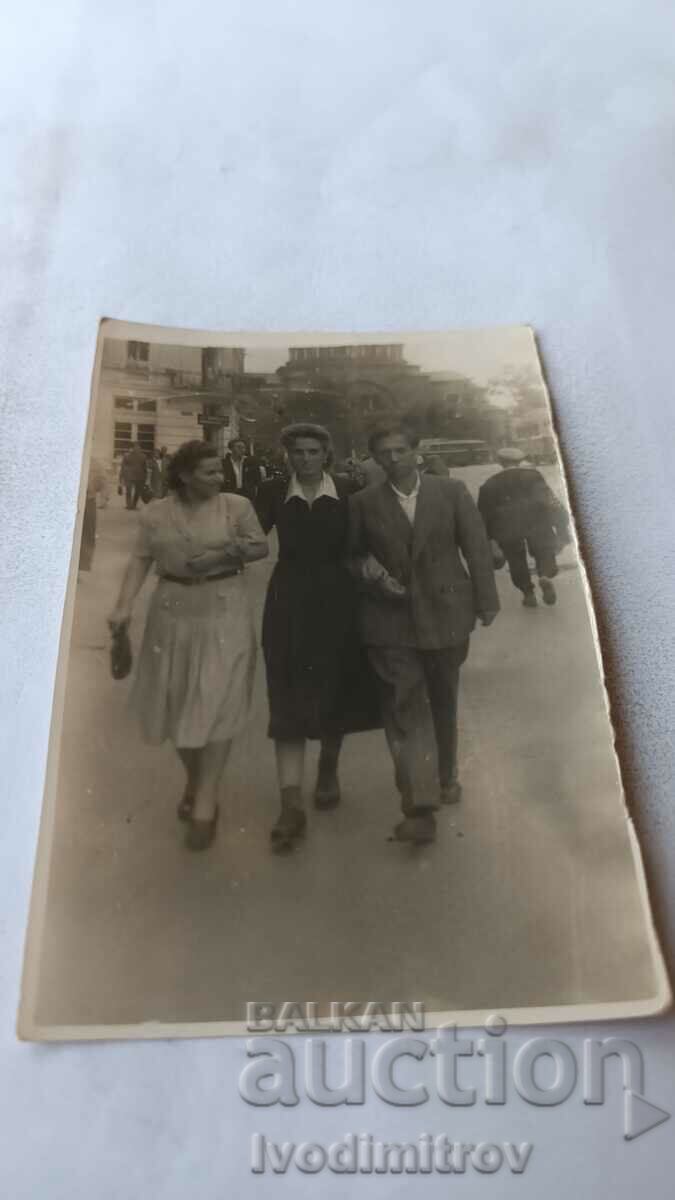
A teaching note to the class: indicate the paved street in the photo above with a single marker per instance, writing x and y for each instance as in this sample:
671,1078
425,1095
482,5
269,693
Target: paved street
526,897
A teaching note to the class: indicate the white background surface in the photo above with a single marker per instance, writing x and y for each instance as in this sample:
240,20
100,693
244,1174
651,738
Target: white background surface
362,165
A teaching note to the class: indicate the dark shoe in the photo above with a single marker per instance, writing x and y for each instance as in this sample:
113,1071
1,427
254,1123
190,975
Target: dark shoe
184,810
327,791
451,793
201,834
290,825
418,830
529,600
547,591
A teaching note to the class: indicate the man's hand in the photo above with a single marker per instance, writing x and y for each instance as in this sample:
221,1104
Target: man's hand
377,577
486,618
392,588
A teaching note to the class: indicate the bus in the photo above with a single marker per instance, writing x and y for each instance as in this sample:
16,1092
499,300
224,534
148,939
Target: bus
456,453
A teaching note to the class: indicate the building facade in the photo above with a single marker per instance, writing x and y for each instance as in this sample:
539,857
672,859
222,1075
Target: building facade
349,388
160,395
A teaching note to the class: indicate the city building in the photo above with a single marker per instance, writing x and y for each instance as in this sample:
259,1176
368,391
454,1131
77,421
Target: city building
461,408
160,395
349,387
532,432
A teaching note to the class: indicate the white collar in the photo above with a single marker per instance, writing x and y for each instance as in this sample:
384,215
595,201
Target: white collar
326,488
408,495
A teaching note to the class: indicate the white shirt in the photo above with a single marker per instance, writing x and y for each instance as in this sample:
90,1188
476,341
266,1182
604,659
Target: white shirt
238,468
326,488
408,503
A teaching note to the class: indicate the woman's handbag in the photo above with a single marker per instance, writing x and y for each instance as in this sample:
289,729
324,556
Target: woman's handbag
121,657
146,493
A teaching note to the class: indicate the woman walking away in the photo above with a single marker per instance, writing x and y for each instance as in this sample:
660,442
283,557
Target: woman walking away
318,679
196,664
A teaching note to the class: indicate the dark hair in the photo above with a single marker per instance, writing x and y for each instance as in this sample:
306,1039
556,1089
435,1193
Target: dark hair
304,429
186,460
403,428
233,441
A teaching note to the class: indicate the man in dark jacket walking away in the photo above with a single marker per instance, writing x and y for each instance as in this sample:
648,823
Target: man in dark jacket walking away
522,515
133,474
418,547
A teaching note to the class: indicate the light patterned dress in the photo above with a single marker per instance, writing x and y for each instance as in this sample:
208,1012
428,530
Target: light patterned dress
195,671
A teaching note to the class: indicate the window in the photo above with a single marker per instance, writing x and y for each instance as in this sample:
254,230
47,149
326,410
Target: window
146,438
138,352
211,363
122,440
126,433
129,404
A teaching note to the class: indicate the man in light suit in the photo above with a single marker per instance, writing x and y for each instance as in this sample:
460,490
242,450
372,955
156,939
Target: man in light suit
420,600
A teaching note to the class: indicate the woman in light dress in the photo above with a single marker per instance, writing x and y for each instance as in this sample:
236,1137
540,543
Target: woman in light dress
194,678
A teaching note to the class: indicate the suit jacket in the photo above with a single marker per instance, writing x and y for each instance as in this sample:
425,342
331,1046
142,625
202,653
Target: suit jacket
517,503
250,477
134,467
444,561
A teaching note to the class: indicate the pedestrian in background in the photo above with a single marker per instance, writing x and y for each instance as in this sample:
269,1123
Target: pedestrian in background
371,471
409,540
195,672
242,474
523,516
159,464
434,465
133,475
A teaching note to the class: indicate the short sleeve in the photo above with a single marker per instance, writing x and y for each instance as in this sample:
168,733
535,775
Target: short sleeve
246,523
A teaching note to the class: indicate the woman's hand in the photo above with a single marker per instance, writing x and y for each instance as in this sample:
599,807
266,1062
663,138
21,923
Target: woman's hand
119,617
208,560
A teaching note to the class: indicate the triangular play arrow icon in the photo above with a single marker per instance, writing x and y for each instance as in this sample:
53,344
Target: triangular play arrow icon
639,1116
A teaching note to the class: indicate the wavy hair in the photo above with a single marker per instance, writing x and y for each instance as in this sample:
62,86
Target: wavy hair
186,459
304,429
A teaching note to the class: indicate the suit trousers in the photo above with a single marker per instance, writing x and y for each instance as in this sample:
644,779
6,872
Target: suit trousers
515,553
133,492
419,691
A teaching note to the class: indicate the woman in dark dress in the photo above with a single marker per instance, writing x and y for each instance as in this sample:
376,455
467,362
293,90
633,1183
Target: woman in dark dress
318,680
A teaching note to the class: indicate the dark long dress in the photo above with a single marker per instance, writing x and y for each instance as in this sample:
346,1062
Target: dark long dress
318,678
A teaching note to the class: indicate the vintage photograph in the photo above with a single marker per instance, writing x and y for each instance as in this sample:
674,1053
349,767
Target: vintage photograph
330,722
